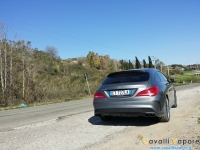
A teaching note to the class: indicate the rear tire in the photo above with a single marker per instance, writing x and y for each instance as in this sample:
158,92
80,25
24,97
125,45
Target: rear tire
106,118
166,117
175,101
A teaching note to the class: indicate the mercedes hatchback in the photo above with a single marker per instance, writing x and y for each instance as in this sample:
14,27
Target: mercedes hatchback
136,92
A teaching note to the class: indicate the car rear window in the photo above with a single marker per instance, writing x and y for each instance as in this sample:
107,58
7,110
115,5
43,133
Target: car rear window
124,77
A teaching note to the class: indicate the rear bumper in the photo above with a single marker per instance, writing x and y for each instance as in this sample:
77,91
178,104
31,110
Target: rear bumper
147,108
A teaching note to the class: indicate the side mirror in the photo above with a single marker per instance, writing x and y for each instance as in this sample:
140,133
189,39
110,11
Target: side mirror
172,80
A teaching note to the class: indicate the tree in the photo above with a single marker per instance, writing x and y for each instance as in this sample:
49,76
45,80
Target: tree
121,62
137,63
52,51
130,65
150,62
96,60
144,63
101,63
124,65
159,64
90,58
4,64
111,65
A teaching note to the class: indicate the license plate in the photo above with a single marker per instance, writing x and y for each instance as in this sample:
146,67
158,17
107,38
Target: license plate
121,93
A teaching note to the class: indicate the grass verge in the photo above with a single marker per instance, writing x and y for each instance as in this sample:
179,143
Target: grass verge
43,103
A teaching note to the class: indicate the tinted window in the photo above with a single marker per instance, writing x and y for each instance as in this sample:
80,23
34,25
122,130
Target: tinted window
125,77
156,78
162,77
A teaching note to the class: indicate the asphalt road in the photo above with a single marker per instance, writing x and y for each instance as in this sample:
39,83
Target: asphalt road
10,119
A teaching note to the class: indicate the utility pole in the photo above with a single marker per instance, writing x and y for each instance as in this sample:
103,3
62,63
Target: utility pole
197,70
168,69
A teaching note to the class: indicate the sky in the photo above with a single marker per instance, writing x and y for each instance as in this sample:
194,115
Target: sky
168,30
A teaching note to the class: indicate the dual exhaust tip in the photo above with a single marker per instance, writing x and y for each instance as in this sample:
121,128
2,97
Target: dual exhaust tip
150,115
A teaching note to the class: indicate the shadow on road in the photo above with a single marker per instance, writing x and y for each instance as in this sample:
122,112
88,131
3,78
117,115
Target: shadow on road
124,121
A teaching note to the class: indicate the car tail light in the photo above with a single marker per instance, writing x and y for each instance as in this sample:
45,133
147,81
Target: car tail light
98,95
153,91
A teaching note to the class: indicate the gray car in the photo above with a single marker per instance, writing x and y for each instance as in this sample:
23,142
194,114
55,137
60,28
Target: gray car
136,92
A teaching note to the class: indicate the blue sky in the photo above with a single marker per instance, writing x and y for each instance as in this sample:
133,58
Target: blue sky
168,30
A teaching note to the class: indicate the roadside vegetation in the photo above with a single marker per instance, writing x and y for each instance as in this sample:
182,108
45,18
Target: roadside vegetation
186,77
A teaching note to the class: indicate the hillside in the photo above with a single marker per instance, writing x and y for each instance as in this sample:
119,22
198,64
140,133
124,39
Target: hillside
30,75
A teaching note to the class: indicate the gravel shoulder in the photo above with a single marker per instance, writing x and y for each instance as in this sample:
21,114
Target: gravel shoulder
85,131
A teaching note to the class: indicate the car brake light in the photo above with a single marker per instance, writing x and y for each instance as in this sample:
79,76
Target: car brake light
98,95
153,91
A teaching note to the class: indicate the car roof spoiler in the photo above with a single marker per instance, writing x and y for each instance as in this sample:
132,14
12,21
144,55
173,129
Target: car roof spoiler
126,72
